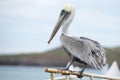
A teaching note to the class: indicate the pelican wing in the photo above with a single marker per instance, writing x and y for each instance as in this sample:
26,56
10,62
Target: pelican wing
97,51
86,50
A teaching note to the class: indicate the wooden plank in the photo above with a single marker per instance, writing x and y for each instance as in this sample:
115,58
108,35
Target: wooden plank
66,72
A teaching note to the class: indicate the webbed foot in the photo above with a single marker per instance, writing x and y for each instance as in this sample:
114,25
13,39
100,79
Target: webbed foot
80,76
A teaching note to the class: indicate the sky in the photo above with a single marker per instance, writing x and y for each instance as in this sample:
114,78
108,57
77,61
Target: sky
26,25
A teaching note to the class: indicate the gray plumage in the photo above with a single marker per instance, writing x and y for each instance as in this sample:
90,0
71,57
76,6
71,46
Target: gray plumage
86,50
82,50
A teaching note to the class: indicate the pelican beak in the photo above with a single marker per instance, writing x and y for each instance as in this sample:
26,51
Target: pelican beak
62,18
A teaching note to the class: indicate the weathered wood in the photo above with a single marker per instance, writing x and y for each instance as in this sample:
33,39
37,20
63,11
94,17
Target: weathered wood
66,72
51,76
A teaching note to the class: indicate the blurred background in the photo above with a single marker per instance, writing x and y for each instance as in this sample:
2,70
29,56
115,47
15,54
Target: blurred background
26,25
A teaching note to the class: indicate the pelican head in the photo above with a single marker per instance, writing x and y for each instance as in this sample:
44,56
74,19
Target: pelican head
68,8
64,20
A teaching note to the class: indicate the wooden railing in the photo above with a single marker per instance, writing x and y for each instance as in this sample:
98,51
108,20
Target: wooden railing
90,75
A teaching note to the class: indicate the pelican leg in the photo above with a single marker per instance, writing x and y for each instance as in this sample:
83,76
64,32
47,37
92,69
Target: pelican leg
80,76
68,65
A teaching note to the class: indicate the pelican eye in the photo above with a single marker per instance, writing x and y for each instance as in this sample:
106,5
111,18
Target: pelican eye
64,12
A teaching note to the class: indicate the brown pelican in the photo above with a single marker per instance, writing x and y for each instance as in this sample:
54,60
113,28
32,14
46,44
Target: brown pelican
82,50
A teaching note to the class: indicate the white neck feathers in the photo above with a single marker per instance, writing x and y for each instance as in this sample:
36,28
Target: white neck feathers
67,23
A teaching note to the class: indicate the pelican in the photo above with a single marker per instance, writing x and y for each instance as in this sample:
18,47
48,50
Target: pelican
80,49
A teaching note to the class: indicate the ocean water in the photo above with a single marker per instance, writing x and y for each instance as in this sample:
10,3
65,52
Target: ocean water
32,73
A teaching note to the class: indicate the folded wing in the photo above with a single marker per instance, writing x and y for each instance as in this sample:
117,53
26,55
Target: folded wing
85,49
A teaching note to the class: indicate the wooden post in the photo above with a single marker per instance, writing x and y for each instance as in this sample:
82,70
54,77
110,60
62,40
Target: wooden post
91,77
66,72
51,76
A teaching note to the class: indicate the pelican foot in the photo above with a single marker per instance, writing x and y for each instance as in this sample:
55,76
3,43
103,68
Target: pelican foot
80,76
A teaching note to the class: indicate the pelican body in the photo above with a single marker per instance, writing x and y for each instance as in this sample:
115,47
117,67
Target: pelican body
80,49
